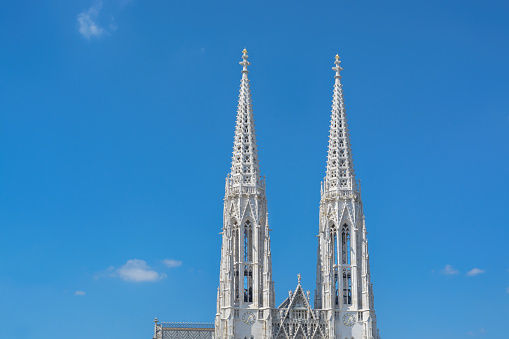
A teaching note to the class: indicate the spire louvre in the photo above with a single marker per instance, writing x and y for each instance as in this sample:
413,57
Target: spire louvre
245,166
340,173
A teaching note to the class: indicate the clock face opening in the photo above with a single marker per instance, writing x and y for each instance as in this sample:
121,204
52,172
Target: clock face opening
249,318
349,319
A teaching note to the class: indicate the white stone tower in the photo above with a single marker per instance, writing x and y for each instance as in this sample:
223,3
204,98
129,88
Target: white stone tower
246,291
343,284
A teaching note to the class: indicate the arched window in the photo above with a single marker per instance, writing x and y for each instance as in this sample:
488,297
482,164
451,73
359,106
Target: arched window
334,247
345,242
248,241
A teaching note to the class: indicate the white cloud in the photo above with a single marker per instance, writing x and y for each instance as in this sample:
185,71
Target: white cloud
137,270
474,272
87,22
449,270
171,263
80,293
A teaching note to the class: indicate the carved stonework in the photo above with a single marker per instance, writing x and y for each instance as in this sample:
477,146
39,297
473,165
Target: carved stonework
343,300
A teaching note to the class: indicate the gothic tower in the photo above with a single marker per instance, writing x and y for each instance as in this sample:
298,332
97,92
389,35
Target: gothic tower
343,284
246,291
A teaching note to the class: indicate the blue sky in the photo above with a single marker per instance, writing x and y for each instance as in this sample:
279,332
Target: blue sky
116,128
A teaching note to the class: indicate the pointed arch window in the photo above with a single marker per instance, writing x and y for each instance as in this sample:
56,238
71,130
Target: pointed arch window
345,245
334,247
248,241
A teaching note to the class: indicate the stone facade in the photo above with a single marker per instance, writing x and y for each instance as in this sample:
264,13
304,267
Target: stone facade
343,300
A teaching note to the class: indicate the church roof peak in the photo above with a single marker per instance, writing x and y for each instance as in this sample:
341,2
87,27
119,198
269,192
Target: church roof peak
245,166
340,173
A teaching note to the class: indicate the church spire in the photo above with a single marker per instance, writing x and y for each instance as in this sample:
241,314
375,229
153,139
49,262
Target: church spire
245,167
340,173
246,290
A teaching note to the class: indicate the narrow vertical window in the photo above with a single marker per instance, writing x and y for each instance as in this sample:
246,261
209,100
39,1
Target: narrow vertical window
261,251
345,242
335,265
248,241
248,284
236,259
335,247
347,287
336,287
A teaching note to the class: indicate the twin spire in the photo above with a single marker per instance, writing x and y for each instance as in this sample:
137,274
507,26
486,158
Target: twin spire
340,173
245,169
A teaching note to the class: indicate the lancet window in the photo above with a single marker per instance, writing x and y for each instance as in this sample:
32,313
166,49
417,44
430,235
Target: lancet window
248,241
248,284
334,244
345,245
334,248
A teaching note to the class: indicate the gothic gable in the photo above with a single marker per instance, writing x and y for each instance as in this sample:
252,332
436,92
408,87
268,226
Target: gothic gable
295,319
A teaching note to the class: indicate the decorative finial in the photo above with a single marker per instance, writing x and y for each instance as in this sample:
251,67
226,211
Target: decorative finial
298,277
244,62
338,68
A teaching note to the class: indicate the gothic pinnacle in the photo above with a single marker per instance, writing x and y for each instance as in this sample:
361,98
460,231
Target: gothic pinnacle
340,173
245,170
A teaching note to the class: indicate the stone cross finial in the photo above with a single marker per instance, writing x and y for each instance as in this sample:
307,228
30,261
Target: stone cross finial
298,277
338,68
244,61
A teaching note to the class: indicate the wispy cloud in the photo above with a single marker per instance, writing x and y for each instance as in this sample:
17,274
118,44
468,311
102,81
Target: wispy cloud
449,270
80,293
507,291
87,22
475,271
137,270
171,263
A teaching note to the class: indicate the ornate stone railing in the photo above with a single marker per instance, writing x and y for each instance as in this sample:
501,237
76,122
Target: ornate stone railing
236,188
339,193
